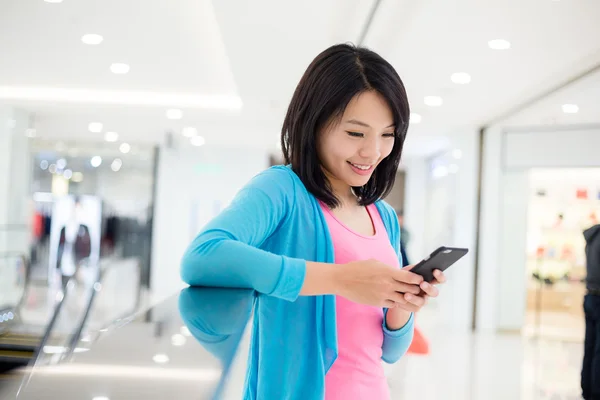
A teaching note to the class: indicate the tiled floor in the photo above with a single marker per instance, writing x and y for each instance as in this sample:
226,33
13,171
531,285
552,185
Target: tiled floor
469,367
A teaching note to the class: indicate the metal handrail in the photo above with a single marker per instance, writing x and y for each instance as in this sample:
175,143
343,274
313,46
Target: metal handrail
97,287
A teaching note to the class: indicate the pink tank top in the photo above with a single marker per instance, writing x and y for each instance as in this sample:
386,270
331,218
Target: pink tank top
357,372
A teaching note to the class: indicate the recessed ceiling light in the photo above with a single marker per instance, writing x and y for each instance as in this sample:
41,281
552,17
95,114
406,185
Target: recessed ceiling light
433,101
92,39
111,136
460,78
197,141
96,161
100,398
30,132
185,331
570,108
53,1
415,118
116,164
189,131
124,148
178,339
174,113
119,68
95,127
499,44
161,358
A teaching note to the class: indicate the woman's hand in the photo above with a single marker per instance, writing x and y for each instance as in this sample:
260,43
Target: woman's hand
377,284
414,302
398,315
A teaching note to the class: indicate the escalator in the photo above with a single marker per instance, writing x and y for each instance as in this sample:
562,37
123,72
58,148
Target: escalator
68,321
16,348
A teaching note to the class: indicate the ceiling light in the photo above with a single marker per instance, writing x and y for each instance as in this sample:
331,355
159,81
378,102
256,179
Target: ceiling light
77,177
111,136
178,339
174,113
30,132
460,78
499,44
96,161
433,101
68,174
197,141
122,97
116,164
53,1
185,331
61,163
189,131
415,118
124,148
95,127
570,108
92,39
44,165
100,398
161,358
119,68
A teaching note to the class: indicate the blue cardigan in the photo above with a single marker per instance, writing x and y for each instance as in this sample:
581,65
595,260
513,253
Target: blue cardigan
261,242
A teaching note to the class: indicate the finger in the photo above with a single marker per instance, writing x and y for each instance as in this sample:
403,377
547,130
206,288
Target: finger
389,304
396,297
408,267
405,276
405,288
439,276
417,301
408,307
429,289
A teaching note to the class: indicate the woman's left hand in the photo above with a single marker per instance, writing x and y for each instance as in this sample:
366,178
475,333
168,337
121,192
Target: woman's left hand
414,303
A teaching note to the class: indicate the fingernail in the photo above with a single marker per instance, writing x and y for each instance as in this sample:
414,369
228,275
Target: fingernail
426,285
408,297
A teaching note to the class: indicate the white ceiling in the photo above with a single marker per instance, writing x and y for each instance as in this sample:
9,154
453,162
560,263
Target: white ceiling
258,51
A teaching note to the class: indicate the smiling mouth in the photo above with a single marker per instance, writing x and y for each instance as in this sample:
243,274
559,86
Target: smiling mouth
361,167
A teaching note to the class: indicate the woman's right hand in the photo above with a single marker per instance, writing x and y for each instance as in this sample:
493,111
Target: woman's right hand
374,283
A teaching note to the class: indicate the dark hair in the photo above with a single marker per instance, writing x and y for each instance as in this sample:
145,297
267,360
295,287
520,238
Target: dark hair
333,78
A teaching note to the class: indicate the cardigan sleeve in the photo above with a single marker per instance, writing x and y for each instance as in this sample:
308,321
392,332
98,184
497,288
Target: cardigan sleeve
227,254
395,343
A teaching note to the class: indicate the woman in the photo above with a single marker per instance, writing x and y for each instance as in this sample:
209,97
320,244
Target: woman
317,244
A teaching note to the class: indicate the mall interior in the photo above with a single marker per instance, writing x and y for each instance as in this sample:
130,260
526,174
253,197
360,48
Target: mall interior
125,126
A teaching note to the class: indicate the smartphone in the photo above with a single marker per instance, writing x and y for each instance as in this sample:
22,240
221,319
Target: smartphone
440,259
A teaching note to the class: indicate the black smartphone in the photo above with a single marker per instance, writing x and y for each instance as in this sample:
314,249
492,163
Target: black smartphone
440,259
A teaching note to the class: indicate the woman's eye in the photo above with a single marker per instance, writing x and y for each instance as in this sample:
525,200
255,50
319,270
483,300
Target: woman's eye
389,135
355,134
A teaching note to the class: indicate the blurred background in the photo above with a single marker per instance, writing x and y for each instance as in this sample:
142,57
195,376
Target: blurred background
126,125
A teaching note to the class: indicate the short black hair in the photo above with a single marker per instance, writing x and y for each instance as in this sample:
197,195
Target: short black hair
330,82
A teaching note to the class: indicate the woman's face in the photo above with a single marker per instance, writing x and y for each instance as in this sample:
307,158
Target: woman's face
351,149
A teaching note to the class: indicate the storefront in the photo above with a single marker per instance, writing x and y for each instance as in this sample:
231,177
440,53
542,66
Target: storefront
541,189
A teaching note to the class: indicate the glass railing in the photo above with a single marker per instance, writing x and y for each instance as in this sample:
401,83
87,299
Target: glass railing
91,304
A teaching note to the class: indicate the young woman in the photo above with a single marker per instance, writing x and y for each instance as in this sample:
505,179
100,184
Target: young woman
316,242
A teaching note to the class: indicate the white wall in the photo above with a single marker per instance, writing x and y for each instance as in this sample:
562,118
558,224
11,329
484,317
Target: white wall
508,157
192,183
15,173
